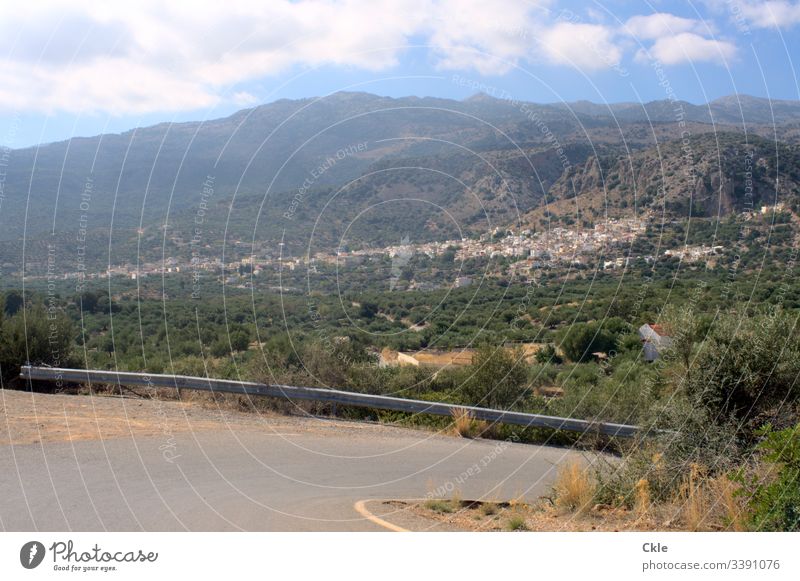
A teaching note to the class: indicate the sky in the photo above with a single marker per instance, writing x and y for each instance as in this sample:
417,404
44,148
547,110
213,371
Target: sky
84,67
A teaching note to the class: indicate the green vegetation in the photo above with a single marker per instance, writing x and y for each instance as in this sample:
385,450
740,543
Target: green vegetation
579,342
440,505
774,495
516,523
730,370
34,334
497,379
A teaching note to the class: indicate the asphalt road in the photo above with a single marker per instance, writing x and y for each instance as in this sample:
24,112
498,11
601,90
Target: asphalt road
301,477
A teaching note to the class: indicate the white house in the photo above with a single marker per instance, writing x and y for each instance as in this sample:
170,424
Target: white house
654,340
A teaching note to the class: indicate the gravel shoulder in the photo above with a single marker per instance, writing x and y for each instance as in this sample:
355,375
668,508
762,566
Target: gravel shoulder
541,516
31,418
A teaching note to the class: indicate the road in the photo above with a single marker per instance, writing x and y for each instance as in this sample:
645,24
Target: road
279,475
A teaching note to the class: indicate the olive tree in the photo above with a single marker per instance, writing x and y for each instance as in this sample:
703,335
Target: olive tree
497,378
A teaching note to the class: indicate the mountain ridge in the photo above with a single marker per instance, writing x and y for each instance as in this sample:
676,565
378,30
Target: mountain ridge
579,106
473,163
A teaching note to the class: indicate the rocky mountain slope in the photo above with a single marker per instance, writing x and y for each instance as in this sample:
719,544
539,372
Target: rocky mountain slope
369,169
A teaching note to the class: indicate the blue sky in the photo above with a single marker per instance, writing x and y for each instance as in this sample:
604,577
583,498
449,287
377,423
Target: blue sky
89,66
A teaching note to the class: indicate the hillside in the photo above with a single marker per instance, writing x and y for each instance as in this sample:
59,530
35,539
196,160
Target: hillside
363,169
708,175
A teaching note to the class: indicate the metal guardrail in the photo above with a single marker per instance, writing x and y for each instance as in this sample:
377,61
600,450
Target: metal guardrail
335,396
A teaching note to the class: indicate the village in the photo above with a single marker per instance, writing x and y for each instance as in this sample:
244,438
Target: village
524,251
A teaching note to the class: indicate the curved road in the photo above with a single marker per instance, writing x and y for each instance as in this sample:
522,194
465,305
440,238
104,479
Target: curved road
300,475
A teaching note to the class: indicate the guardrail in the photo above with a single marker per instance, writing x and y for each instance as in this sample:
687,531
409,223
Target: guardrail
289,392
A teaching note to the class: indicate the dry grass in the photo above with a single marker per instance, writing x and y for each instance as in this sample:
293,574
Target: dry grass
488,508
703,503
543,516
465,425
642,497
706,503
695,499
462,422
733,506
574,488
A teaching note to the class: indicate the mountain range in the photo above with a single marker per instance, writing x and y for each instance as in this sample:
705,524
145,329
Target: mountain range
356,168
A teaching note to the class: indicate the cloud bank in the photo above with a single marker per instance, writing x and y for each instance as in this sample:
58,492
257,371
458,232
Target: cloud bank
147,56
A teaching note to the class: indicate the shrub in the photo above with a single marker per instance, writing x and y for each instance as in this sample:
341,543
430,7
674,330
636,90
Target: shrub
439,505
13,302
35,335
517,523
540,375
686,438
774,501
579,341
590,394
746,367
547,355
496,379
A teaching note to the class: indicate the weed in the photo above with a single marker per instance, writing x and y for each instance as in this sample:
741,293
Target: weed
732,504
574,488
489,508
439,505
517,523
695,498
642,504
464,424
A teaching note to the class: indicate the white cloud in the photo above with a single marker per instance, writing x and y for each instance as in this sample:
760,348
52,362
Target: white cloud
661,24
148,55
489,37
586,46
677,40
687,47
244,99
774,13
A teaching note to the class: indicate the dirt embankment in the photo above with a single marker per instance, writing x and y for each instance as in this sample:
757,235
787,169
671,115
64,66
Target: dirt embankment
27,418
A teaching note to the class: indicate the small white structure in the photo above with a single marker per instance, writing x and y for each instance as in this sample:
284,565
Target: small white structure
654,340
